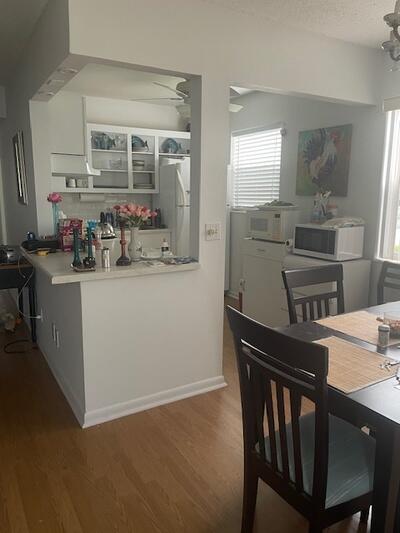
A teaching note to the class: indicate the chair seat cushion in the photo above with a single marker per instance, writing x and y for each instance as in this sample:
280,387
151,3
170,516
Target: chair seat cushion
351,458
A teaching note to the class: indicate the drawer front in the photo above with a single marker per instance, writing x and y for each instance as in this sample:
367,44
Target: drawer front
269,250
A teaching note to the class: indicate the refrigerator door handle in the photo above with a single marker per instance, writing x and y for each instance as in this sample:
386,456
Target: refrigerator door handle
182,192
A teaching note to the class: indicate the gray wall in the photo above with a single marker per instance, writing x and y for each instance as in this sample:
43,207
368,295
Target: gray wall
297,114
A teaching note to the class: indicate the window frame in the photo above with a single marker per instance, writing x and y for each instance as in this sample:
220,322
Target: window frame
390,190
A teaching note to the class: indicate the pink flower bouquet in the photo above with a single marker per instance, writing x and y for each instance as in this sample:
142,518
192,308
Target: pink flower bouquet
133,214
54,198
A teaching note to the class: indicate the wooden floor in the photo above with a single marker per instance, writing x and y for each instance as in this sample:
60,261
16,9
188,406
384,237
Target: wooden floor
176,468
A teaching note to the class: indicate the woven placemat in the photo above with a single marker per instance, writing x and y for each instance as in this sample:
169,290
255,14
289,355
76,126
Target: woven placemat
352,368
360,324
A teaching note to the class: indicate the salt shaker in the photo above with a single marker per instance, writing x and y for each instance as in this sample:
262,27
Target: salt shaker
383,335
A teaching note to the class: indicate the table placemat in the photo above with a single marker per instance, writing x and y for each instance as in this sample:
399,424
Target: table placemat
360,324
352,368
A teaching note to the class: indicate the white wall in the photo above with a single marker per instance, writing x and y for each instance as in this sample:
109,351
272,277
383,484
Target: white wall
297,114
44,52
224,48
137,114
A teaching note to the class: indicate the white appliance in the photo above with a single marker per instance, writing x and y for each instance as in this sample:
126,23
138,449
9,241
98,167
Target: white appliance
174,202
272,223
264,296
335,243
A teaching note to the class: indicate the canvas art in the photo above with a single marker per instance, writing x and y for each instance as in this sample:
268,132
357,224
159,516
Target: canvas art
323,160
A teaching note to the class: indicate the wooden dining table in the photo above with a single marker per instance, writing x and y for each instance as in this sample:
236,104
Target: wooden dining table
376,406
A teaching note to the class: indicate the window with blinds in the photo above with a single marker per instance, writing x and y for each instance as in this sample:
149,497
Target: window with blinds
256,167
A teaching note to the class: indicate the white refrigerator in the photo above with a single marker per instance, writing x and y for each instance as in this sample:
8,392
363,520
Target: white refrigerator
174,202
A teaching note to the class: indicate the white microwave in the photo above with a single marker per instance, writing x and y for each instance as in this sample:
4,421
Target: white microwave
272,223
327,242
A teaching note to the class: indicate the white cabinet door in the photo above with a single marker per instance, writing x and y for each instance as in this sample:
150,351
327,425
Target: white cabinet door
264,296
67,124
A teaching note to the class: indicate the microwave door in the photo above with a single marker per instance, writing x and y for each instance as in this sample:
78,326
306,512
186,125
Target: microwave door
316,242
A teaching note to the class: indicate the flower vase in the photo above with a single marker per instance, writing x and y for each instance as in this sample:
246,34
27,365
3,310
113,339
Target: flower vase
135,246
123,260
56,216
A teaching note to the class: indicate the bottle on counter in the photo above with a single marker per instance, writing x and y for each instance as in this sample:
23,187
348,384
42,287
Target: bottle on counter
164,247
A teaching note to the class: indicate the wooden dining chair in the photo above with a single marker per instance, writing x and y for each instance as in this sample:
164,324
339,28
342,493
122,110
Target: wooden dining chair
390,279
320,464
314,306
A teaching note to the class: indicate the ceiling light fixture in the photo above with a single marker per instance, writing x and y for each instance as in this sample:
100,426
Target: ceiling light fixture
393,45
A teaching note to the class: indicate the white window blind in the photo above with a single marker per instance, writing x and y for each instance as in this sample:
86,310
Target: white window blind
256,167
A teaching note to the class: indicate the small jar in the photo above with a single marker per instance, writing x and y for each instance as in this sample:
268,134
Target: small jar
383,335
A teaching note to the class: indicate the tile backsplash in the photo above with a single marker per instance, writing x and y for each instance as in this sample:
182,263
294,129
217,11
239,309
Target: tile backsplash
73,207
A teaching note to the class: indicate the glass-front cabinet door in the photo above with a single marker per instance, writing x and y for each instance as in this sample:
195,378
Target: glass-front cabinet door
109,154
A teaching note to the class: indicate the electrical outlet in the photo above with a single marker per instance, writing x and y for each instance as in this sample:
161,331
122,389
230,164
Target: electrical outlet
213,232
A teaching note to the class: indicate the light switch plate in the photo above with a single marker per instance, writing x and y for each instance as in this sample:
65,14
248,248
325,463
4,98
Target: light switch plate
213,232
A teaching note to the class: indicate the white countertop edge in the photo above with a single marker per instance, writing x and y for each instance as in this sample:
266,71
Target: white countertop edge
67,275
121,273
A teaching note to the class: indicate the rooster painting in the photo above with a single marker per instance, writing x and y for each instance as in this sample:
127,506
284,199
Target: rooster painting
323,160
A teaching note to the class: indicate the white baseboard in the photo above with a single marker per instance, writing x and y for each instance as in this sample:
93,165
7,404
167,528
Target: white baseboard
73,401
118,410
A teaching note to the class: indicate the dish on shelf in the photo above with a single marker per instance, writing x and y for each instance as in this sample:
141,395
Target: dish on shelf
139,145
138,164
170,146
104,141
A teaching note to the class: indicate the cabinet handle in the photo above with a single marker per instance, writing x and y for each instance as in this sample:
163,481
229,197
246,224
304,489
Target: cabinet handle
260,250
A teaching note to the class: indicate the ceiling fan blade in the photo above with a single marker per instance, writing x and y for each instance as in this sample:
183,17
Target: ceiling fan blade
235,108
170,98
179,93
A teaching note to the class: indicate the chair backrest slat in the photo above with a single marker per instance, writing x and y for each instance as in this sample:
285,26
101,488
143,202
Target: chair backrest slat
311,306
295,409
389,276
282,430
271,361
271,424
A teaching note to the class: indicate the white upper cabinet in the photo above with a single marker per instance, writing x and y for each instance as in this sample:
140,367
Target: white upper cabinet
67,124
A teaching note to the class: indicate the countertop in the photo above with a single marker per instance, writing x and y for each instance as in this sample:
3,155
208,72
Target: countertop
57,266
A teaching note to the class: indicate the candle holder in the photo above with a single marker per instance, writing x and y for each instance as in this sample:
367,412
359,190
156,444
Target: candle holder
123,260
76,262
89,261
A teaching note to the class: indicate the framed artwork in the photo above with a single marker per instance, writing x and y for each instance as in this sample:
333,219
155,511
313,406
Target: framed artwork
19,158
323,160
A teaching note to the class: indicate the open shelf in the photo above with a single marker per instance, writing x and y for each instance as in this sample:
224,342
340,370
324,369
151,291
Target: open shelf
125,148
143,171
162,154
112,170
103,150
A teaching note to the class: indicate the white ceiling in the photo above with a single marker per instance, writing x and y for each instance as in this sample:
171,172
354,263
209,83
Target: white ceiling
17,20
121,83
356,21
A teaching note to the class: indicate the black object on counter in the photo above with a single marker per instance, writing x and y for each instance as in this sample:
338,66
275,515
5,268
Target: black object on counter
34,244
